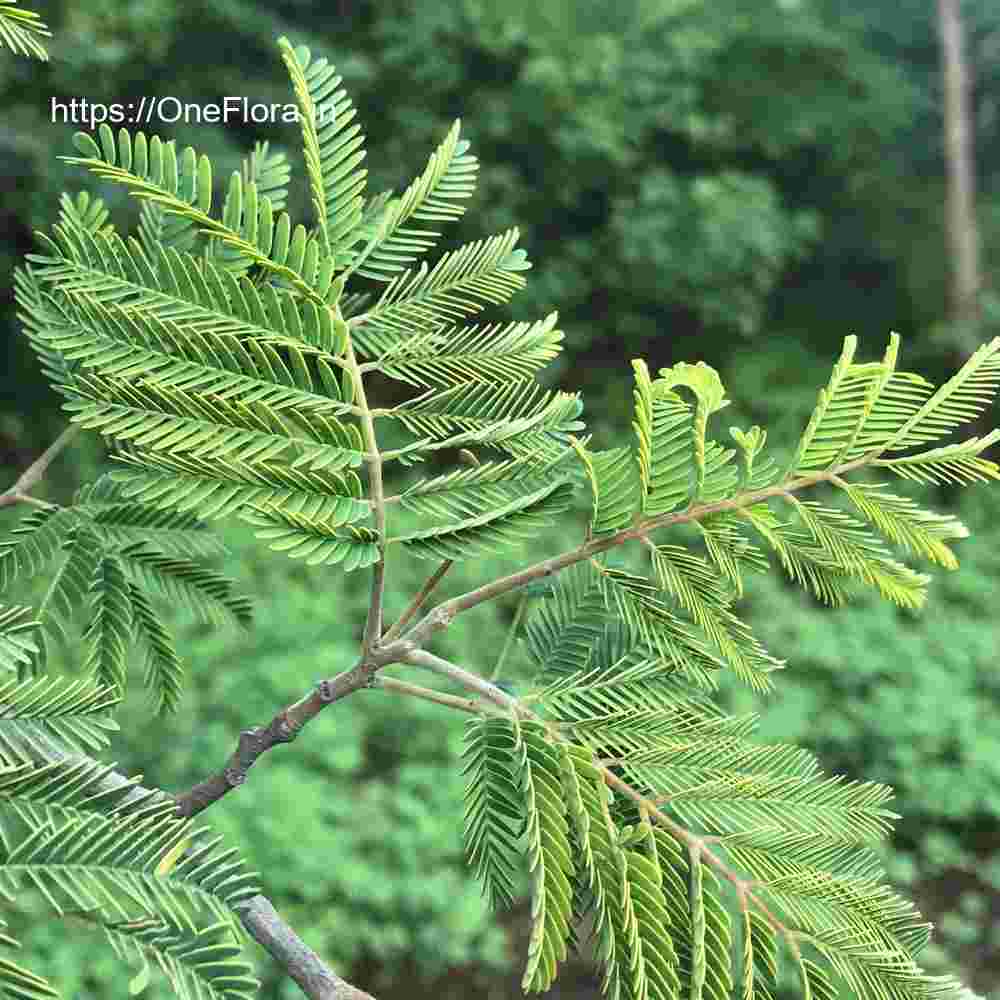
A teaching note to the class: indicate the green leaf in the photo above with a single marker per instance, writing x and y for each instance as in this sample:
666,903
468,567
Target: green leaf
109,630
20,31
437,195
664,446
17,982
55,713
903,522
17,645
703,380
958,401
318,541
151,169
164,671
562,632
615,486
182,918
491,353
420,300
494,531
331,144
550,856
209,594
494,818
951,463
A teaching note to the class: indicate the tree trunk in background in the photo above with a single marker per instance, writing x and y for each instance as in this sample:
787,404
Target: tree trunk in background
963,233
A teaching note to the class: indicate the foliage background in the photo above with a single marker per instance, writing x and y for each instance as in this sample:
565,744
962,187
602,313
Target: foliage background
743,182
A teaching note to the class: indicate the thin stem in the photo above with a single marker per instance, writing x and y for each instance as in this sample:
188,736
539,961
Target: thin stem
522,604
29,479
442,615
427,694
694,842
470,681
17,497
373,626
417,603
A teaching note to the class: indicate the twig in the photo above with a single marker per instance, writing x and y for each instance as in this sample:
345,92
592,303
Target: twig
13,496
314,976
29,479
418,602
441,616
257,914
427,694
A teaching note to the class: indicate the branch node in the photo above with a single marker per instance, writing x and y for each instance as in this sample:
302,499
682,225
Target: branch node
248,737
234,776
285,730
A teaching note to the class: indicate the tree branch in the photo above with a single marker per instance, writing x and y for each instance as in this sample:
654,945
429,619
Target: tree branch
441,616
29,479
470,681
283,728
287,723
427,694
418,602
314,977
257,914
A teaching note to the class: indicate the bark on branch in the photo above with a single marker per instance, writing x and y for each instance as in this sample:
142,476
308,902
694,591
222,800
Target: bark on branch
18,493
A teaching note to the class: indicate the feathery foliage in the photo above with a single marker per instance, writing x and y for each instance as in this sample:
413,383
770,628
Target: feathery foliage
20,30
115,860
121,561
16,643
223,357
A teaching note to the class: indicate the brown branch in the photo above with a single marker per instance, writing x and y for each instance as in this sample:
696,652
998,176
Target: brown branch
418,602
257,914
29,479
15,496
473,682
315,978
373,626
441,616
283,728
427,694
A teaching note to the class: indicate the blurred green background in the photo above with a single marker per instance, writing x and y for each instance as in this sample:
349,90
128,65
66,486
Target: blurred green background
743,182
